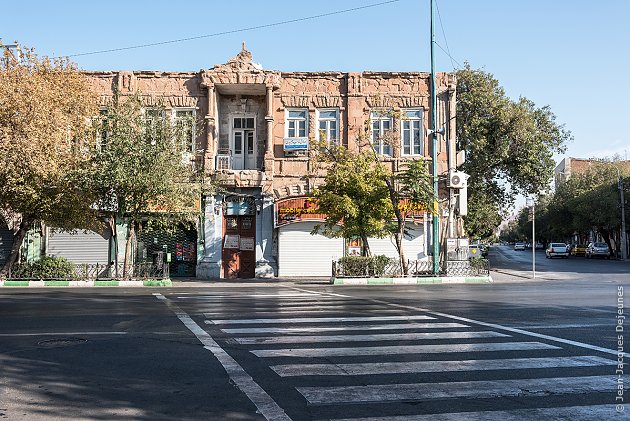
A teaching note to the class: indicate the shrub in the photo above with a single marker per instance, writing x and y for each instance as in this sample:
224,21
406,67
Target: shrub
364,265
47,268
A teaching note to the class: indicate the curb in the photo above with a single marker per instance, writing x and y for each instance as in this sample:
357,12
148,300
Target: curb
414,281
84,284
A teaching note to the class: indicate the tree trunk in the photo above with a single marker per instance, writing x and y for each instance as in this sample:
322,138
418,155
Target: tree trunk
401,226
366,245
606,236
18,237
131,233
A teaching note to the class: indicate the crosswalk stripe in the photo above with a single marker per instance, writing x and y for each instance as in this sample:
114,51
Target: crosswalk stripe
594,412
471,389
403,349
212,313
374,337
291,370
320,320
398,326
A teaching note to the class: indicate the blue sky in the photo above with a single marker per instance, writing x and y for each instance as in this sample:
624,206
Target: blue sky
572,55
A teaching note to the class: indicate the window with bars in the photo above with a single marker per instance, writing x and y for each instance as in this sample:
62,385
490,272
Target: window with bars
412,130
154,119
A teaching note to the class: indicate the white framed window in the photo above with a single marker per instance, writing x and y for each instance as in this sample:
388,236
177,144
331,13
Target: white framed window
102,130
381,124
184,128
328,125
412,132
155,119
297,123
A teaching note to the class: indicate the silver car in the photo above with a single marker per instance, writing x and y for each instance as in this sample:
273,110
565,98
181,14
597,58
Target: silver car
597,250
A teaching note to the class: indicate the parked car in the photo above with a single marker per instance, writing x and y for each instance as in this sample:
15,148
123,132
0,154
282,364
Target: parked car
540,246
519,246
597,250
557,250
578,250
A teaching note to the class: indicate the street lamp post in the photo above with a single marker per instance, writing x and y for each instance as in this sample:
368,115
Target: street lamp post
533,205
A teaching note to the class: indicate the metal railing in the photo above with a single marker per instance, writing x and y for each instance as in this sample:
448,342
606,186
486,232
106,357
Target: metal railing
83,271
366,268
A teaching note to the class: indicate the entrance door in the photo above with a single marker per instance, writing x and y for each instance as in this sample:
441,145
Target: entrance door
243,143
239,251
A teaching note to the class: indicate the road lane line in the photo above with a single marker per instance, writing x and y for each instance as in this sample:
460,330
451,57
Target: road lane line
594,412
399,326
492,325
484,389
402,349
63,334
265,404
319,320
361,369
297,339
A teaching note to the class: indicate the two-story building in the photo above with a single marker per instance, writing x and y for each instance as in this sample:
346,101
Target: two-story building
254,137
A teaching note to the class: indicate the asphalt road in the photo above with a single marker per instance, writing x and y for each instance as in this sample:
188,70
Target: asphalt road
521,349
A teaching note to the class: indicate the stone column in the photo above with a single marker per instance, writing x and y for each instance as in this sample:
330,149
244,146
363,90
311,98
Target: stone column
210,127
269,141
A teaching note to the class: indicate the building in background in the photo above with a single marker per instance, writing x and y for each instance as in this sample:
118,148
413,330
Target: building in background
255,133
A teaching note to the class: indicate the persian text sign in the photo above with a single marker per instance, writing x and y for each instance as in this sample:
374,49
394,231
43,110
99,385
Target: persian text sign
297,210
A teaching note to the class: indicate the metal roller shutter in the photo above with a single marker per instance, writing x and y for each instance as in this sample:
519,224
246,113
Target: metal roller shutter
303,254
414,245
82,247
6,242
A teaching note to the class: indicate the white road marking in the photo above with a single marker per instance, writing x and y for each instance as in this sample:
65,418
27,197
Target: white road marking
472,390
492,325
291,370
319,320
62,334
397,326
211,314
265,404
402,349
594,412
370,338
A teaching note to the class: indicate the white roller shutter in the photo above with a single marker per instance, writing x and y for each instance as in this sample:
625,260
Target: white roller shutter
303,254
82,247
414,245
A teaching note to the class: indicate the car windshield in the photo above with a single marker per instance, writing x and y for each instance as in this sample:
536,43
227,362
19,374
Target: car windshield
558,245
600,245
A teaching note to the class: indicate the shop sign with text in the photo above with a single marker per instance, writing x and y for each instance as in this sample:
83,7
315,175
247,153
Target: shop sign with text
297,210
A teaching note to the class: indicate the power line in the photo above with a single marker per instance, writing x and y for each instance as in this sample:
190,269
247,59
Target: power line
448,51
234,31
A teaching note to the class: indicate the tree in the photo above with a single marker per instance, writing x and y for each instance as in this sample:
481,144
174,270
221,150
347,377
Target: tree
354,196
509,147
44,144
361,196
139,172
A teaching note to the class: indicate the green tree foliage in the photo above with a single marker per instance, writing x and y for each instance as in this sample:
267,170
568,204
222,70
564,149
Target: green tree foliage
509,147
139,171
354,196
44,107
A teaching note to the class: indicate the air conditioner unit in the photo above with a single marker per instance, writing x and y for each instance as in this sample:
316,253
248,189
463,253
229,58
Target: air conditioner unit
457,180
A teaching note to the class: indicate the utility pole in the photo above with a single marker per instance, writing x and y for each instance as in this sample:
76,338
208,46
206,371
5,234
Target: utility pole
436,216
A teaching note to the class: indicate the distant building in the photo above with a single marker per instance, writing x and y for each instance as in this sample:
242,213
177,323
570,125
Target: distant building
569,166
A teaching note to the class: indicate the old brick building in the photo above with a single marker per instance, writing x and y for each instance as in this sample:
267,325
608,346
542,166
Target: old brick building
255,131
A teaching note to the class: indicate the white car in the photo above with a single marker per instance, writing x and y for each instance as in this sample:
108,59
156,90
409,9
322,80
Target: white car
519,246
557,250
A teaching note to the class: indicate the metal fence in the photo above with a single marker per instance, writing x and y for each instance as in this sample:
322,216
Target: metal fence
77,271
366,268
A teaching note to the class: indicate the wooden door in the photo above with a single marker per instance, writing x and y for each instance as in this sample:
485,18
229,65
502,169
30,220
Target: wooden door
239,246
